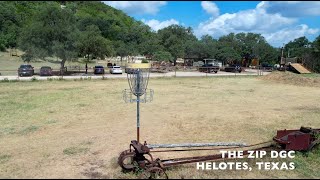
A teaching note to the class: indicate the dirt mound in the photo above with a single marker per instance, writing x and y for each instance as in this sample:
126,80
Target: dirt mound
292,78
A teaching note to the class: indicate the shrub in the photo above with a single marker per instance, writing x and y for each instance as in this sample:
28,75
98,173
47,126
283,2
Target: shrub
144,61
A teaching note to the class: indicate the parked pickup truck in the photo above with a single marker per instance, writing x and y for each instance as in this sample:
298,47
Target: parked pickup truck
209,68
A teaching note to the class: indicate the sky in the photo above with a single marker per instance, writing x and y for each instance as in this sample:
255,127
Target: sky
278,21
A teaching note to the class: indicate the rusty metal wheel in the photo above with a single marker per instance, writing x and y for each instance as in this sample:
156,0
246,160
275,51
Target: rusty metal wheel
154,173
125,160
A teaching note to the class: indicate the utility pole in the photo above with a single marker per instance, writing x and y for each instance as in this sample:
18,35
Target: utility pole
282,59
282,55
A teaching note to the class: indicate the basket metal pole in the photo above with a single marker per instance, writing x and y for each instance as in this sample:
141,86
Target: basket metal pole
138,117
138,104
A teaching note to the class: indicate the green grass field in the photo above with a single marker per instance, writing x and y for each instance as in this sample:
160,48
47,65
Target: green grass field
76,129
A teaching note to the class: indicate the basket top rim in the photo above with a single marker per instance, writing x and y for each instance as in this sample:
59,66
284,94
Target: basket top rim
139,65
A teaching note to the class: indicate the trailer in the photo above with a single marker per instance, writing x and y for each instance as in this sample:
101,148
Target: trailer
210,66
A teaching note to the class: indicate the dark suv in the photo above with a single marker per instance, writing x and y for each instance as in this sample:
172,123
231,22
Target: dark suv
98,70
25,70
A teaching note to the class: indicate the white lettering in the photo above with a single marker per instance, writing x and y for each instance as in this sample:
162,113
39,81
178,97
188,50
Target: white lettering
208,165
200,165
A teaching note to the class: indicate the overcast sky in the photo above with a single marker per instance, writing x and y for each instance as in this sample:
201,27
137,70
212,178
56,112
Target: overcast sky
278,21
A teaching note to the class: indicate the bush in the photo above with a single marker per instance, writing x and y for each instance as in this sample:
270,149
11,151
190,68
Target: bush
5,80
144,61
2,47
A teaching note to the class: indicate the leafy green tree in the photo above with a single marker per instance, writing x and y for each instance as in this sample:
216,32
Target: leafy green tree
249,46
316,54
210,46
231,40
13,16
52,32
162,56
113,24
128,49
121,49
8,25
306,51
248,41
174,39
265,53
150,45
91,43
313,62
194,49
228,55
297,48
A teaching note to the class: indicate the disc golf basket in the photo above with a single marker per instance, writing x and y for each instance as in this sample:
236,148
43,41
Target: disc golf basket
138,78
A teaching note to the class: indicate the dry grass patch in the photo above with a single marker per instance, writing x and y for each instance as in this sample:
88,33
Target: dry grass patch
90,120
312,80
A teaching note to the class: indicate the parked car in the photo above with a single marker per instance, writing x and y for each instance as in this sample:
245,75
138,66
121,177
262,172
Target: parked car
45,71
267,66
25,70
116,70
109,65
98,70
233,68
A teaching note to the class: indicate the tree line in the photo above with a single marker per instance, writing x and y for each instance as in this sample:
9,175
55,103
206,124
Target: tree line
69,30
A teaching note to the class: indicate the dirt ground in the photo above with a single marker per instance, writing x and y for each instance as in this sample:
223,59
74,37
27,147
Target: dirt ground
76,129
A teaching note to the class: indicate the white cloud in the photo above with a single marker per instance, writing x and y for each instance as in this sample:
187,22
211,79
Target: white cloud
156,25
256,20
276,28
210,8
292,8
287,34
137,7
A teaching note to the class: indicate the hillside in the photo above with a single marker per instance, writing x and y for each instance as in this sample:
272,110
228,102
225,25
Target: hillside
113,23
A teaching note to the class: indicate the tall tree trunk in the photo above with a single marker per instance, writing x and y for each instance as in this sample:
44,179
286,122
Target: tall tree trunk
62,66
